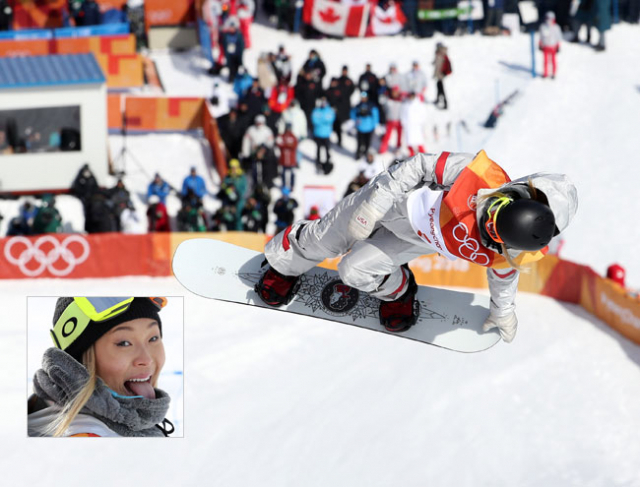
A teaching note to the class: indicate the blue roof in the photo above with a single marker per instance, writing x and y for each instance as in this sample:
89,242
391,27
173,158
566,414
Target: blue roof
33,71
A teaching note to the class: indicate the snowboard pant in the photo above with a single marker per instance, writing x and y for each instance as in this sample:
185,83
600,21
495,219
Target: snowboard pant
413,152
288,173
322,143
364,142
233,63
245,25
390,127
549,57
441,94
337,128
372,265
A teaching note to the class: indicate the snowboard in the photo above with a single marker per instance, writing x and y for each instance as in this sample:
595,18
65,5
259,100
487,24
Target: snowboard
227,272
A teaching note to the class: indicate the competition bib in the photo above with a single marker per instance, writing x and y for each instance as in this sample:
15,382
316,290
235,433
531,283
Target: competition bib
424,215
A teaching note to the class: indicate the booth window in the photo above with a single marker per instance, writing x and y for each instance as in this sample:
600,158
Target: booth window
34,130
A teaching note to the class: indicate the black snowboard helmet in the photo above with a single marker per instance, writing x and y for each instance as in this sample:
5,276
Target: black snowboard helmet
525,224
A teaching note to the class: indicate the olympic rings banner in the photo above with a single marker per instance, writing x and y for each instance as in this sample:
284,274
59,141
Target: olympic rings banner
77,256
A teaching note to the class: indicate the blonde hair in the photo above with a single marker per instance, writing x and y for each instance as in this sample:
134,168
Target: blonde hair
503,247
64,419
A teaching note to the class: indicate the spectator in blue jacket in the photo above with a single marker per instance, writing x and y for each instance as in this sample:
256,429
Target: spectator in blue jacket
194,183
322,118
160,188
233,47
243,82
366,116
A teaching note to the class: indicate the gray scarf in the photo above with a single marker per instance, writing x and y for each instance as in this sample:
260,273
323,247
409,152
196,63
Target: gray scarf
61,377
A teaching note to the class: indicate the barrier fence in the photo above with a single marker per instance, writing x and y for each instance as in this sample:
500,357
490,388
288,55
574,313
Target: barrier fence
113,255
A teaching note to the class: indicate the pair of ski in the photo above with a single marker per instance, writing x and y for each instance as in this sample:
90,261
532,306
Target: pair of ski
223,271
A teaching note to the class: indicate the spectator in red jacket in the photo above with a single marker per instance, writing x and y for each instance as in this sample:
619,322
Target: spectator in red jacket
281,96
157,215
314,213
288,145
616,273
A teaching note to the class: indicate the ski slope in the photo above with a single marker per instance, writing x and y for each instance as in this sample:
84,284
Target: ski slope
288,402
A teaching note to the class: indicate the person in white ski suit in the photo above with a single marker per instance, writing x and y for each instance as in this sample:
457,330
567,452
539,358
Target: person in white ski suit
413,120
550,37
415,81
258,134
294,116
397,217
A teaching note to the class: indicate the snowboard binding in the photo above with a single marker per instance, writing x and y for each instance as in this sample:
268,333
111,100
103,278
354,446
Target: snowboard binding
401,314
276,289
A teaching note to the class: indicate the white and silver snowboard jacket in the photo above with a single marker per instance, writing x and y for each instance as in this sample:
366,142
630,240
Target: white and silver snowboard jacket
393,187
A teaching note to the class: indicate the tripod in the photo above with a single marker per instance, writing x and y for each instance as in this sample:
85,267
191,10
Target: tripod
120,162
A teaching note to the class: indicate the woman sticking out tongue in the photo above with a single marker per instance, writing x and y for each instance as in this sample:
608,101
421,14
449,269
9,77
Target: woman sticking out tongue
100,379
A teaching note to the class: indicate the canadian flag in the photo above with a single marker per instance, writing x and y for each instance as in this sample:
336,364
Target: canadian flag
387,22
340,19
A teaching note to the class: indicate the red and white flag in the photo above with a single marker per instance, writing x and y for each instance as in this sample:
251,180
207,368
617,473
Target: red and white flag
340,19
387,22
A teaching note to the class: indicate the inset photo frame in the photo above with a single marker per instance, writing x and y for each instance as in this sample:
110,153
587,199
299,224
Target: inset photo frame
103,366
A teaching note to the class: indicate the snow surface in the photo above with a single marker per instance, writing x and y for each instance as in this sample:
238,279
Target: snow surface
276,400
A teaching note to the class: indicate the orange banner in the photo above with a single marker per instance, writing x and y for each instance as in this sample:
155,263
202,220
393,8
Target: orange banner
117,45
78,256
613,305
168,12
114,111
163,114
124,71
112,45
35,47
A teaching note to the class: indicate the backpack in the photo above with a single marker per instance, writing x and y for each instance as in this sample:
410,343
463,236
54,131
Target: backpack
446,66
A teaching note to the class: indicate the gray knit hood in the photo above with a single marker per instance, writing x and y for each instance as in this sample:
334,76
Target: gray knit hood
61,377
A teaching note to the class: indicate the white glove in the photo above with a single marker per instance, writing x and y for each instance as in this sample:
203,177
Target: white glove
364,219
506,325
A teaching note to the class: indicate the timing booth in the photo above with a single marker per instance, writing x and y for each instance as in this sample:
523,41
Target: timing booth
53,120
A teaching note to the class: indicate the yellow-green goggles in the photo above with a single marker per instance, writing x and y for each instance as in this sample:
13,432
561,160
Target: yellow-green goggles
492,214
83,310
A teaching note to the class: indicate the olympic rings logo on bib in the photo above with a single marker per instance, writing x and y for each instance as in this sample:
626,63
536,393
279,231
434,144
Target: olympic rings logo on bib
57,253
469,248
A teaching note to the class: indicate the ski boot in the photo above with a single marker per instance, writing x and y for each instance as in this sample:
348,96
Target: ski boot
276,289
402,313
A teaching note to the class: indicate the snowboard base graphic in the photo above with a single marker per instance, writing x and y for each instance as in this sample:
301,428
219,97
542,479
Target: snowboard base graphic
227,272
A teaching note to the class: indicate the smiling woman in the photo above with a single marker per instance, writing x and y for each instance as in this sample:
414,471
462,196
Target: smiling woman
101,377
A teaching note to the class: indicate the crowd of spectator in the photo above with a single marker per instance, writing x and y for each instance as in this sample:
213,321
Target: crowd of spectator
279,108
271,114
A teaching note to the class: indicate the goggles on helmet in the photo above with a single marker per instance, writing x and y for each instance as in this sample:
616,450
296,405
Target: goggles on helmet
82,311
492,215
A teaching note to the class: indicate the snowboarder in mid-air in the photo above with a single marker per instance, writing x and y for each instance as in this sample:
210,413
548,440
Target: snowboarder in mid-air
456,204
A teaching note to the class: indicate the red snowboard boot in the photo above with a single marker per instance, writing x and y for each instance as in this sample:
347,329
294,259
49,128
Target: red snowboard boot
402,313
276,289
